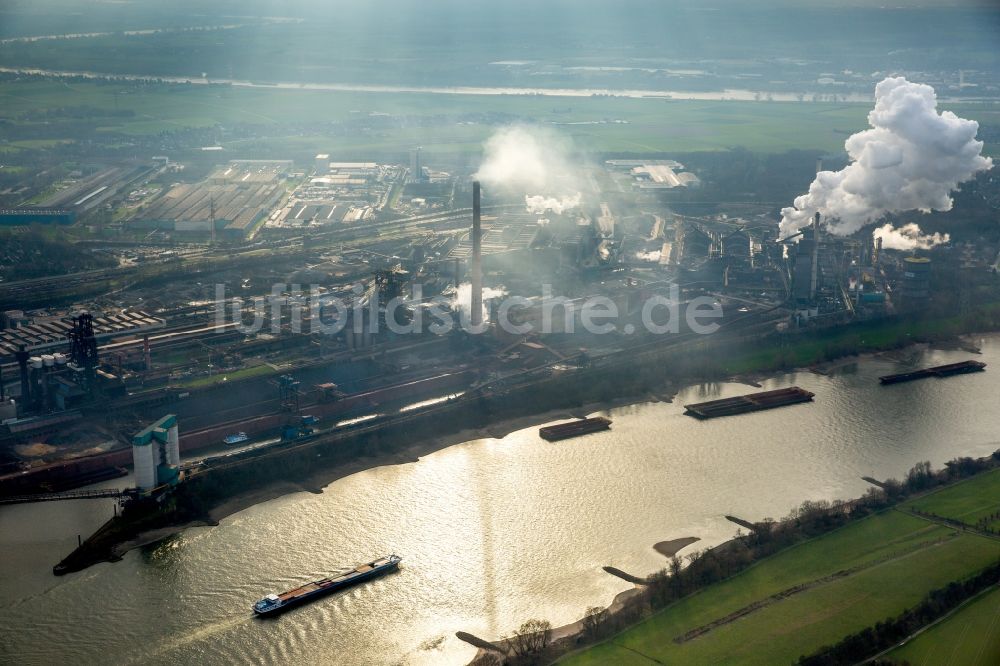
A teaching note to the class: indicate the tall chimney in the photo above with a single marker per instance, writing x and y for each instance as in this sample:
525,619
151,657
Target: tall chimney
22,363
815,259
477,258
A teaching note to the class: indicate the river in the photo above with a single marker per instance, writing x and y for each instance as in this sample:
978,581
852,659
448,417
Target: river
493,531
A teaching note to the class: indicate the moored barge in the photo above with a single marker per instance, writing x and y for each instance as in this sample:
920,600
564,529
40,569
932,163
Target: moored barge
554,433
949,370
752,402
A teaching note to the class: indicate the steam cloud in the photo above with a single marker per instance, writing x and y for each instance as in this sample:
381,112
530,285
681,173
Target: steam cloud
463,298
535,162
912,158
908,237
653,255
539,204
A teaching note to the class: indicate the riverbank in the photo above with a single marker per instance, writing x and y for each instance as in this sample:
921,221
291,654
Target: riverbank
96,549
563,396
622,603
673,546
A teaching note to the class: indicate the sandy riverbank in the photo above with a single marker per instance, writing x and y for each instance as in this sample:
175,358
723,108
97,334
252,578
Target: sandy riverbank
317,482
572,631
674,546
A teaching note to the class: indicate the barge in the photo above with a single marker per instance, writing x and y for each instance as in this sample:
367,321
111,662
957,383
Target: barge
752,402
274,604
576,428
96,476
949,370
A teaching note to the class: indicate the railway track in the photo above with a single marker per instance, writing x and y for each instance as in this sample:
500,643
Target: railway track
38,292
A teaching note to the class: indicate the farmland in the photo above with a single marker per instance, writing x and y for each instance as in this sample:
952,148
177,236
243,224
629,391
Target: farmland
817,592
967,502
971,636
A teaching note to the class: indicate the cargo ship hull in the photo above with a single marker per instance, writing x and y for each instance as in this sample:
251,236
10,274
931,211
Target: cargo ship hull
574,428
275,604
754,402
950,370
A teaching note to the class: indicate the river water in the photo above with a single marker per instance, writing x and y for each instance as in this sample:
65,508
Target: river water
493,531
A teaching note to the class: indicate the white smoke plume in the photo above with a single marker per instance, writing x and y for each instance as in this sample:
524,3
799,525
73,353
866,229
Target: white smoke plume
912,158
535,162
539,204
653,255
908,237
463,298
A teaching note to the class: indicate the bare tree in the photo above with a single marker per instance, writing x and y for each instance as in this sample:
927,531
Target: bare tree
530,638
676,571
594,621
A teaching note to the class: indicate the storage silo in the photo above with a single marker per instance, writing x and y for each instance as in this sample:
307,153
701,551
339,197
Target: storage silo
173,448
916,285
144,460
156,454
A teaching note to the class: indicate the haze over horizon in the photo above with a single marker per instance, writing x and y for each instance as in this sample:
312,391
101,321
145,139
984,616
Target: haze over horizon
635,44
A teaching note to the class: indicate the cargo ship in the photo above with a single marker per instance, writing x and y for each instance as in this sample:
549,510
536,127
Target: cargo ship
949,370
273,604
574,428
752,402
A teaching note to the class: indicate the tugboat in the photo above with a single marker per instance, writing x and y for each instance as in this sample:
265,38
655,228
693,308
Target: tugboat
273,604
235,438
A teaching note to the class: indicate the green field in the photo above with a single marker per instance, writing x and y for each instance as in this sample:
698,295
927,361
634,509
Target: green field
451,123
652,125
868,571
967,501
969,637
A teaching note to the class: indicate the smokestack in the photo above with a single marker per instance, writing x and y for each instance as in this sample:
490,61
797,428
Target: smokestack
22,363
477,258
861,272
815,259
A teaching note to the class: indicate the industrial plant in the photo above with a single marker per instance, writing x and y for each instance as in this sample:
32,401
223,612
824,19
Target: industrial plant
276,319
499,333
